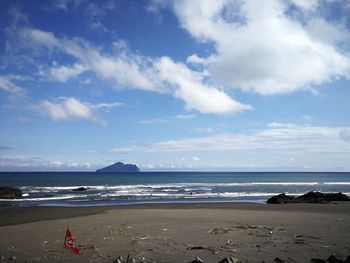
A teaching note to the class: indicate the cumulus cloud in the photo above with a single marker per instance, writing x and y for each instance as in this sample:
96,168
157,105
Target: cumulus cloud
129,70
66,109
189,86
261,47
70,108
63,73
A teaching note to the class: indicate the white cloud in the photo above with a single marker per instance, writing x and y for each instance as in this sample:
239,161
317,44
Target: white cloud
70,108
66,109
153,121
7,84
124,69
23,162
63,73
261,48
129,70
105,106
281,138
185,116
64,5
208,130
345,135
306,117
189,86
281,125
196,159
309,5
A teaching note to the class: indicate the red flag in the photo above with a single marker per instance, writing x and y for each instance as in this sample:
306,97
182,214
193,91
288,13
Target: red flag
69,243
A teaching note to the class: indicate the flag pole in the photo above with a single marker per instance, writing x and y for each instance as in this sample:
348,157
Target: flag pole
63,244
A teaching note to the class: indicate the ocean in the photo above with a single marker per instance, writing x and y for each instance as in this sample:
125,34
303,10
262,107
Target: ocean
55,188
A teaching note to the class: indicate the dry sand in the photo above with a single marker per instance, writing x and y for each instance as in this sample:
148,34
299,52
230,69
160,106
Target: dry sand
178,232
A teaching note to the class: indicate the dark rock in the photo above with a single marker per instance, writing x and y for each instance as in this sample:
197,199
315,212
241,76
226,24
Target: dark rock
80,189
334,259
278,260
119,167
310,197
318,260
318,197
336,197
281,199
347,260
10,193
230,260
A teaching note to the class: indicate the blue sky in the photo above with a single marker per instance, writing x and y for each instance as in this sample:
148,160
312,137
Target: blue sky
175,85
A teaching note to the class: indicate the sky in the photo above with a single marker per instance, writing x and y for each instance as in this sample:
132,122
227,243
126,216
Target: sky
225,85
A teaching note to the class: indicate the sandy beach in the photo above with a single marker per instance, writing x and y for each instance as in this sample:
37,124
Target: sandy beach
178,232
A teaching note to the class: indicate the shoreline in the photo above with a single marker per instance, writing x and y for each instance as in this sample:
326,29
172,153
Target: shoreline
23,215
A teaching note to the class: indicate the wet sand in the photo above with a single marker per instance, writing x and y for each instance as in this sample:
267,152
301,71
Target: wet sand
178,232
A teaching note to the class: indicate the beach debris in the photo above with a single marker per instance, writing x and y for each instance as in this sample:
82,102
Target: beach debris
69,242
278,260
227,244
301,242
144,238
211,249
44,243
300,236
110,234
197,260
196,248
118,260
219,230
230,260
87,246
318,260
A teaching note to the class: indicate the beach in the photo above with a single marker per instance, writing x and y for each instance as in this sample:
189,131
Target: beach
178,232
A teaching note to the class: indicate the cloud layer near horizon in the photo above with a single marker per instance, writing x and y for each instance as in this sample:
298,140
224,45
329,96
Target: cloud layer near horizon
284,137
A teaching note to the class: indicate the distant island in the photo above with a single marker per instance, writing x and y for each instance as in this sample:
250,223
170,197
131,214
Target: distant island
119,167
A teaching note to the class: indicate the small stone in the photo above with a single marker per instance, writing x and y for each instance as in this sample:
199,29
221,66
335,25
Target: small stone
12,258
278,260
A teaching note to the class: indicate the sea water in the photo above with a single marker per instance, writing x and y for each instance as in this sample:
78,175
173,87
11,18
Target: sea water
56,188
